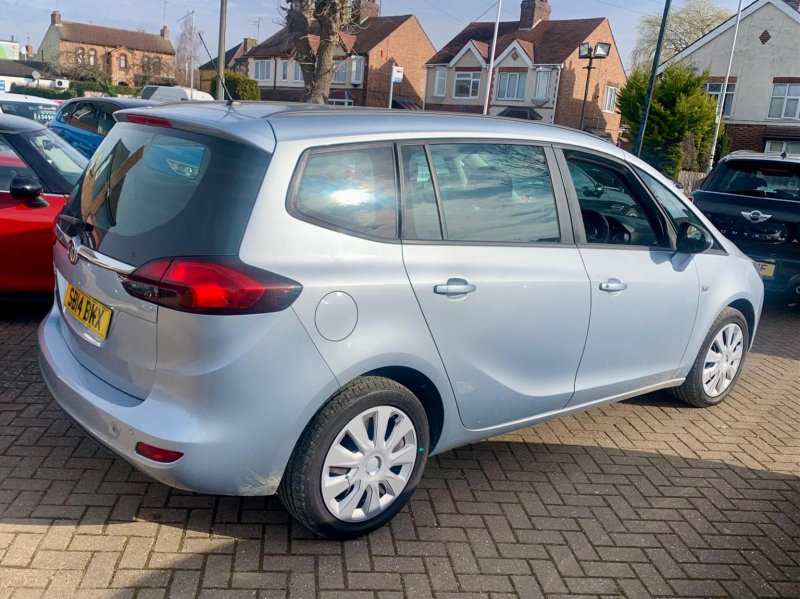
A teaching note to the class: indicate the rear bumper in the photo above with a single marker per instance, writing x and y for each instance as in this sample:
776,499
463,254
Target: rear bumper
787,273
232,451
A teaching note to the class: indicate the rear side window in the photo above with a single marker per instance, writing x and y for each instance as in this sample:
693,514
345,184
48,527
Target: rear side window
351,188
759,178
30,110
153,192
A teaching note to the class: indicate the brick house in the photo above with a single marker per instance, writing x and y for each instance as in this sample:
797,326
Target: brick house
234,61
125,57
366,53
761,109
537,72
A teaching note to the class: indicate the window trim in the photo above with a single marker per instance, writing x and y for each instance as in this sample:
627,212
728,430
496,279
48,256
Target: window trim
537,96
605,99
356,64
339,72
785,97
471,80
267,67
300,168
725,94
440,71
518,76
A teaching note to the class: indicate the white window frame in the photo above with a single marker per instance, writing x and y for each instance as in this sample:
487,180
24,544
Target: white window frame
612,93
264,64
284,70
784,146
357,70
730,92
440,83
542,91
298,71
520,81
786,97
340,72
343,102
472,77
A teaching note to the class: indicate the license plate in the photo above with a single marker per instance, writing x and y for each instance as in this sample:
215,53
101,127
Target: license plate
91,313
767,270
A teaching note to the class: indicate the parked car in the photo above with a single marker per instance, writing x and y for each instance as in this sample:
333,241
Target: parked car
165,93
30,107
754,200
296,299
84,122
37,171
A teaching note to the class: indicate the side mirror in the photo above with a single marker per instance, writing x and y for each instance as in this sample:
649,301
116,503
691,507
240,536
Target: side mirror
693,239
25,189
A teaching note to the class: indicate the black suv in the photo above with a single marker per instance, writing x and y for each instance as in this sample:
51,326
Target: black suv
754,199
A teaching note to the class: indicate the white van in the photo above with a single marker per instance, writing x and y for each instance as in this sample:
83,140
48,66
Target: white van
163,93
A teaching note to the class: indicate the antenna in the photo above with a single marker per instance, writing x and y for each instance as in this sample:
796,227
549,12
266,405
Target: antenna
257,23
164,15
216,70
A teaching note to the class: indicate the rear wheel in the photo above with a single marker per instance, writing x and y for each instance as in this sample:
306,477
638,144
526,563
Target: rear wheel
358,461
719,363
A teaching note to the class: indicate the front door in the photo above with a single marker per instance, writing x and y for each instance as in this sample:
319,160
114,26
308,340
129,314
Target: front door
644,294
498,277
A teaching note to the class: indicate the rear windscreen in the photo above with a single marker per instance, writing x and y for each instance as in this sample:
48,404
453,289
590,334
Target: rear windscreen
758,178
154,192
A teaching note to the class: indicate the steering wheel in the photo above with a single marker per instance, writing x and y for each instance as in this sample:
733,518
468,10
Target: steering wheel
596,225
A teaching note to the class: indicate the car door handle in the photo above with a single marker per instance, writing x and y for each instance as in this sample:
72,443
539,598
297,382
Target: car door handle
454,287
613,285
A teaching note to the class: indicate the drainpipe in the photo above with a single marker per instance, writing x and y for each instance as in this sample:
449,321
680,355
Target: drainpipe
558,87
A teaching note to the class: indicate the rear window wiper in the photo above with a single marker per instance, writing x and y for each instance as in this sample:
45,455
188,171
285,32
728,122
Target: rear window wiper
77,223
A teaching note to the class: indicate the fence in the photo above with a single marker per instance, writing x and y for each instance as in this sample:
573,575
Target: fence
691,179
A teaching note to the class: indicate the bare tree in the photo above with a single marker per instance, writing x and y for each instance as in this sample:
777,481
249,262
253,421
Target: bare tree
317,64
685,25
187,50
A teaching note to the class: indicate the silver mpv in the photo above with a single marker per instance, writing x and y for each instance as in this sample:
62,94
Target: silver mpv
261,298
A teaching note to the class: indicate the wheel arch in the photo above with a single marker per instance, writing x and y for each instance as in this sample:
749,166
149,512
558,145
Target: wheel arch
749,312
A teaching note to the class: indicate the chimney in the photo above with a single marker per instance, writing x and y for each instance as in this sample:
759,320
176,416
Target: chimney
55,17
533,11
249,44
364,9
165,32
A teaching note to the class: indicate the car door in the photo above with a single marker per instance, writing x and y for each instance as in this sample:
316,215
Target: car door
644,294
489,253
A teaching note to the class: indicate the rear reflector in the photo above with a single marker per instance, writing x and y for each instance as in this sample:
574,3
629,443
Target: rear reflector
143,119
157,454
211,285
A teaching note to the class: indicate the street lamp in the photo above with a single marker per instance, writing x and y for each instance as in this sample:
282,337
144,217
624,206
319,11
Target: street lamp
586,51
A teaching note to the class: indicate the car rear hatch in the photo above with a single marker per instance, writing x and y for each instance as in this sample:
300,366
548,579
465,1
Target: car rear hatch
150,194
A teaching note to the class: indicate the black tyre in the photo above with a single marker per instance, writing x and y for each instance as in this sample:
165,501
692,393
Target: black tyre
358,461
719,362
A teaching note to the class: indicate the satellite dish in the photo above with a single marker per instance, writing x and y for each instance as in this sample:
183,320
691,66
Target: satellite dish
36,75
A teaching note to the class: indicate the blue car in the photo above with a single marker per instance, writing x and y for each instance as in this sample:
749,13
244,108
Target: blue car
84,122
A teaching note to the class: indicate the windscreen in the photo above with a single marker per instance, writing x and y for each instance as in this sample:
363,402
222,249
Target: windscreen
759,178
154,192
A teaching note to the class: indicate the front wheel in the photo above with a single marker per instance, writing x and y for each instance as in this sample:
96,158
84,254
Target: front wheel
358,461
719,363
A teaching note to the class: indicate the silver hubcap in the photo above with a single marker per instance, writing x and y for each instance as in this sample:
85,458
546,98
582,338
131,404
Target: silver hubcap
369,463
723,360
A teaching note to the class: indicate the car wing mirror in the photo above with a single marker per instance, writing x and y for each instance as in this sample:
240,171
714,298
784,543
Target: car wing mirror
693,239
28,190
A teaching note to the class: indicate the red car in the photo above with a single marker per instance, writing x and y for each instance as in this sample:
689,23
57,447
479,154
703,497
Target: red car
38,170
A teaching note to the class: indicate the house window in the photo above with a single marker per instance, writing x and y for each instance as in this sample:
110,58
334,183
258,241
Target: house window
357,65
467,85
610,102
340,76
263,70
779,147
714,90
440,83
511,86
542,85
80,55
340,102
785,102
156,66
284,70
123,61
92,57
145,62
298,72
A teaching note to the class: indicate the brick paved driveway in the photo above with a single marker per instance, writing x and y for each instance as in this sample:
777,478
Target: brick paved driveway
644,498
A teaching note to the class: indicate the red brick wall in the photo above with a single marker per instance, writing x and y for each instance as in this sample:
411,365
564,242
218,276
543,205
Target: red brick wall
608,71
408,47
747,137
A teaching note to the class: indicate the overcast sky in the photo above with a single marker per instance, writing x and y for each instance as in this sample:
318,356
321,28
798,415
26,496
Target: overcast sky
442,19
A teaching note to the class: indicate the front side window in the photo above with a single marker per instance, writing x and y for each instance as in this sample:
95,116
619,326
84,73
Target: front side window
714,90
263,70
678,211
511,86
12,165
440,83
498,193
40,113
350,188
610,102
357,65
542,85
785,101
614,210
84,117
467,84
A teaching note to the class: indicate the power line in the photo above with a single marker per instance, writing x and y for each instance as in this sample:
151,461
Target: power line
638,12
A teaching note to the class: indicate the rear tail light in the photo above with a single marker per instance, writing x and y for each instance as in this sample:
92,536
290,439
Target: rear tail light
690,197
143,119
157,454
211,285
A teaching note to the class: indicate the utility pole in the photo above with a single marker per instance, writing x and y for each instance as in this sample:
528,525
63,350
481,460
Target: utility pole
491,58
722,92
637,147
223,12
588,68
